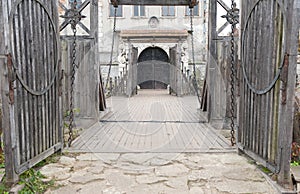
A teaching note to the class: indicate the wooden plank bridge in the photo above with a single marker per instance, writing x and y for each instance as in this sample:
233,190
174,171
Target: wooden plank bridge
37,77
152,121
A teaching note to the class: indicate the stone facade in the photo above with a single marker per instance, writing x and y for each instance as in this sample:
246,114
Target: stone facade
152,21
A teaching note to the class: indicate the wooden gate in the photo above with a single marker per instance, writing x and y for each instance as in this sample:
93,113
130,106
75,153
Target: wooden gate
267,82
30,83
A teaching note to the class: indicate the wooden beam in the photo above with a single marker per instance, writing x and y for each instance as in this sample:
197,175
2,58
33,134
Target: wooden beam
7,108
223,5
155,2
212,56
286,110
222,27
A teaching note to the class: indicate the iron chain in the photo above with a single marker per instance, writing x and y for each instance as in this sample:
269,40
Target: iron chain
193,55
73,71
232,74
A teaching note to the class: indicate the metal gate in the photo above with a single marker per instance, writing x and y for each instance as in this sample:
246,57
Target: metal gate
153,70
31,91
267,75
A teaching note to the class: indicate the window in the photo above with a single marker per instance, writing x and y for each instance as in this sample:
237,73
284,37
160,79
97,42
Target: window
139,10
168,10
112,11
195,10
79,2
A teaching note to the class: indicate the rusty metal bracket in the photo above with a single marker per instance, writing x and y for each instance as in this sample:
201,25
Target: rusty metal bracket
61,78
115,3
284,78
193,3
11,78
73,16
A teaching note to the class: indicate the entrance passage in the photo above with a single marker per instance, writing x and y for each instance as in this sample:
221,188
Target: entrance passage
153,84
151,121
153,69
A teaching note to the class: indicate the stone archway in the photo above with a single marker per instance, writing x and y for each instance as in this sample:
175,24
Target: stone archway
153,69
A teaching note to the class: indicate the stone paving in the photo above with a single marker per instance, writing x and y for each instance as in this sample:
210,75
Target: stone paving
156,173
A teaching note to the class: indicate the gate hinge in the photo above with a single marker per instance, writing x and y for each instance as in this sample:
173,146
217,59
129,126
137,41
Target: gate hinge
61,82
284,78
10,78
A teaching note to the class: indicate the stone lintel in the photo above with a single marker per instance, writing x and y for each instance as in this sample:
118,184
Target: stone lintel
154,34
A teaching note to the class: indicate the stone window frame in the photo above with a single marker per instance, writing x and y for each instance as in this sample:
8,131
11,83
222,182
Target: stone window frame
168,13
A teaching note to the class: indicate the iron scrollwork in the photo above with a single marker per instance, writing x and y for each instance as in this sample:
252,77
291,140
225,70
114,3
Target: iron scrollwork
232,15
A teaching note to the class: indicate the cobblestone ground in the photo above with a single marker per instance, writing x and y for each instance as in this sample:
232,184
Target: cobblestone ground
156,173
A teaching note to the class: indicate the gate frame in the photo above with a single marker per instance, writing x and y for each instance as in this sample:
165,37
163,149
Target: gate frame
7,107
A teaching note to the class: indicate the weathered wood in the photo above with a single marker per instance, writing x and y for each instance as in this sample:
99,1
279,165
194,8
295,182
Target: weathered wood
264,119
177,64
212,54
173,75
152,121
7,110
287,110
88,98
33,118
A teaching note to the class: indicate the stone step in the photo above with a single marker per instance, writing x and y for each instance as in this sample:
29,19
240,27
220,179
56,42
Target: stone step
295,171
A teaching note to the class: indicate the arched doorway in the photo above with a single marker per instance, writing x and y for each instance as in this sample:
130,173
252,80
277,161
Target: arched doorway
153,69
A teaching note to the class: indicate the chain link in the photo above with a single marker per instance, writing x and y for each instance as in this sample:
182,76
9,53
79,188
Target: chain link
232,79
73,71
195,84
112,46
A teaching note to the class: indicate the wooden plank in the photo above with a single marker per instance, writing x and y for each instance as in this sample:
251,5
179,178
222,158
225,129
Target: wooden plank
54,16
48,102
275,97
32,78
150,133
246,90
224,5
24,94
45,110
58,111
52,73
31,162
263,82
37,133
15,52
269,79
212,36
250,112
